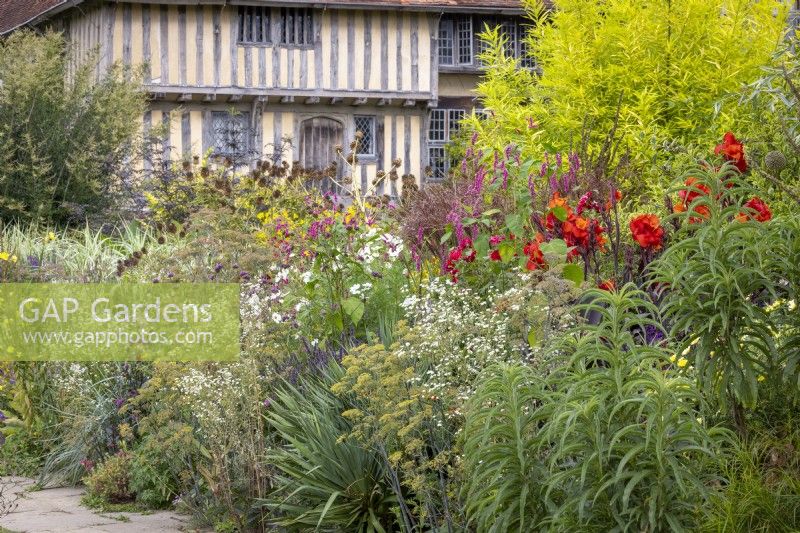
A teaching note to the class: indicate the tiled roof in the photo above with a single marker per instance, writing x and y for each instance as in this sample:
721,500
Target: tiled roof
16,13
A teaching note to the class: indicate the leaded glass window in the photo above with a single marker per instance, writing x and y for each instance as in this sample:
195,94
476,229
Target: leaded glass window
464,35
230,134
366,125
446,42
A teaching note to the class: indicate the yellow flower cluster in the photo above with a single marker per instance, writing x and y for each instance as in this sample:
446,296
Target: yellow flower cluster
7,256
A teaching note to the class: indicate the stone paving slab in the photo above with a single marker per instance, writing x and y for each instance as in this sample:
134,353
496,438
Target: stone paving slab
59,511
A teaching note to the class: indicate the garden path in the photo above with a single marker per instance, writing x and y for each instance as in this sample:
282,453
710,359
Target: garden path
60,511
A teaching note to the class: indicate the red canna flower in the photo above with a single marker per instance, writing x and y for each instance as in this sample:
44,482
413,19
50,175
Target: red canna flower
607,285
732,150
457,254
762,211
556,201
535,255
647,231
576,231
617,196
688,195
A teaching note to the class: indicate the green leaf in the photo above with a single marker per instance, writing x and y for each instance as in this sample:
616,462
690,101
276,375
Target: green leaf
446,237
481,246
531,338
507,251
335,320
574,273
555,247
514,224
354,308
560,212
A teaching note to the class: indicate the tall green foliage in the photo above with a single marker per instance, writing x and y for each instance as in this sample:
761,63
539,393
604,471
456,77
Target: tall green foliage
66,136
732,286
325,480
503,489
660,65
613,441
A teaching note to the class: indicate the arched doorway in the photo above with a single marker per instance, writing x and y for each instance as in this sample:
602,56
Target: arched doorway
319,137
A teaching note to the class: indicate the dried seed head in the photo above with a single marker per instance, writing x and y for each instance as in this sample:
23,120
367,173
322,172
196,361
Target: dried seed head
775,161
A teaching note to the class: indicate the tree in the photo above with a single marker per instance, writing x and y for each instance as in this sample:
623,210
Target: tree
659,69
66,136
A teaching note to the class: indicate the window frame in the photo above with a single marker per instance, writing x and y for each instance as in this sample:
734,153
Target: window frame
243,118
449,117
464,45
372,135
447,26
302,35
247,14
458,41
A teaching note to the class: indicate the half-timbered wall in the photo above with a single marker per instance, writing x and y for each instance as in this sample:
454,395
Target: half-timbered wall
380,53
400,133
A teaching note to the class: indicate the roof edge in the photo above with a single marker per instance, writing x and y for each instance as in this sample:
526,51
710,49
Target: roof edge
56,9
64,5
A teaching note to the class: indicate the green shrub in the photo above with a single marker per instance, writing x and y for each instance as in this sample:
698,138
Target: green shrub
325,481
731,283
504,470
762,493
109,481
612,440
626,447
67,138
656,69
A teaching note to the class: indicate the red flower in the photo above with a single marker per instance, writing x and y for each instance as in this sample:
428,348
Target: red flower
466,243
762,212
607,285
647,231
586,202
535,255
457,254
576,231
617,196
688,195
556,201
732,150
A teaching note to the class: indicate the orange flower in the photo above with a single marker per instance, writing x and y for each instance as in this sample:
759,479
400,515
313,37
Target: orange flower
647,231
556,201
762,211
576,231
732,150
688,195
617,198
607,285
535,255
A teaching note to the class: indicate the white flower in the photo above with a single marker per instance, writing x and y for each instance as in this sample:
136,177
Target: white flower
306,277
360,290
282,276
276,317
